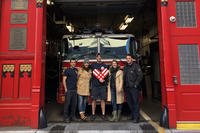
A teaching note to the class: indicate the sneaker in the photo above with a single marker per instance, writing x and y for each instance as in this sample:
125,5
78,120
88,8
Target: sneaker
67,120
93,117
103,117
136,120
130,118
74,119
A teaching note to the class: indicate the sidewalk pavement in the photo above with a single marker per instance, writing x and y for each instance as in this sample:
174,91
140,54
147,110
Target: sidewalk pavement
88,127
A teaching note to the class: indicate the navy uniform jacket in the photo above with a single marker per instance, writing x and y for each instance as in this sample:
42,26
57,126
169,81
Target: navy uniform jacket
71,81
132,75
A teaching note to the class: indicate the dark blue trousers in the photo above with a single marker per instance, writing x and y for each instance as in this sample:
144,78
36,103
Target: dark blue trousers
132,95
70,104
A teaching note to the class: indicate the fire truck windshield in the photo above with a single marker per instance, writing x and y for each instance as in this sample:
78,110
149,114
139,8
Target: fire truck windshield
81,48
114,48
110,47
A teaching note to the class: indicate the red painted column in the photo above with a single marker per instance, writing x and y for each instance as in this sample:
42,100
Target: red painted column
42,101
163,90
0,12
0,19
168,91
37,66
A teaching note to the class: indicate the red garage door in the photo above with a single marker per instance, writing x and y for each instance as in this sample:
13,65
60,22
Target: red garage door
185,45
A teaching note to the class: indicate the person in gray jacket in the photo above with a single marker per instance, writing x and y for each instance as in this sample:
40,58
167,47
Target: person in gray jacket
132,78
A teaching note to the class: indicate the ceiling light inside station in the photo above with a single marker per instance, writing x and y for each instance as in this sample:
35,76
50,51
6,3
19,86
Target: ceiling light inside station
70,27
128,19
123,26
48,2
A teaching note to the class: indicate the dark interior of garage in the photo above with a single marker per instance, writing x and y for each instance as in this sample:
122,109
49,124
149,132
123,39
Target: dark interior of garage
105,16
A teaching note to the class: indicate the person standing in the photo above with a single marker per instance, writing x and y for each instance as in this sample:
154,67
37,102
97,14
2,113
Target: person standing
70,86
132,77
115,91
83,85
98,86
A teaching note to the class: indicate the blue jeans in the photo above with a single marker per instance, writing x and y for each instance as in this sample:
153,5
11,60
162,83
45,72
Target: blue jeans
82,101
114,101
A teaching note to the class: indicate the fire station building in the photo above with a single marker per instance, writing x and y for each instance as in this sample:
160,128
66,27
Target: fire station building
26,25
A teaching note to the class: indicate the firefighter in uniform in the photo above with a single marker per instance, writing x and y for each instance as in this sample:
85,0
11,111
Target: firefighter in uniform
132,78
70,86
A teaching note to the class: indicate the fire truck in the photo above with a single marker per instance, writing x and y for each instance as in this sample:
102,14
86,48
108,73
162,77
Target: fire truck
85,46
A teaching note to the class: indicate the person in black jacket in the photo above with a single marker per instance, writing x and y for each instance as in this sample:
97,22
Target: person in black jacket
132,78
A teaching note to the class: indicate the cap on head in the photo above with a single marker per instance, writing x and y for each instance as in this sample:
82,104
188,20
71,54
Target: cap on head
98,54
86,61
